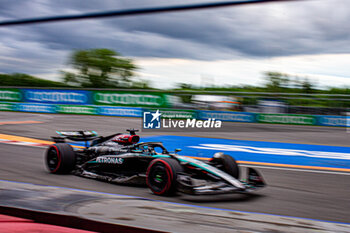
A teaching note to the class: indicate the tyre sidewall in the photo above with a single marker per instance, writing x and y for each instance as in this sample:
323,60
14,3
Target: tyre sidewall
65,156
230,165
172,167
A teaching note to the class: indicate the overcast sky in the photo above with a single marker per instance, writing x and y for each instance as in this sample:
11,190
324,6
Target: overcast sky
231,45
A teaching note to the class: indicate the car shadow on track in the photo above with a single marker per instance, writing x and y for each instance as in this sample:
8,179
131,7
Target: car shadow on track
222,198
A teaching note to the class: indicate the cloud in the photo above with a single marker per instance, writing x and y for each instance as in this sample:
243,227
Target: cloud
233,33
275,29
321,70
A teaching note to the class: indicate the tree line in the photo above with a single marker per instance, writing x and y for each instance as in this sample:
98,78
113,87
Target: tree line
91,68
105,68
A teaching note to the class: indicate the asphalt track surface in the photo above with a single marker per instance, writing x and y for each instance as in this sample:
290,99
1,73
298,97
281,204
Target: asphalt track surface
299,193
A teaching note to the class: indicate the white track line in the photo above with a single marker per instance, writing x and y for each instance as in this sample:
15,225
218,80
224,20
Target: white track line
297,169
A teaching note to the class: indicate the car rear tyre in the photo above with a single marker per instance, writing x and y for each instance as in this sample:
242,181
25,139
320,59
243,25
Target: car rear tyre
60,158
227,164
161,176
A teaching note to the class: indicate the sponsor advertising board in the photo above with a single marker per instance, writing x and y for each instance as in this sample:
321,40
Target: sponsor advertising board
119,111
7,106
133,104
10,95
227,116
56,96
286,119
33,107
137,99
76,109
340,121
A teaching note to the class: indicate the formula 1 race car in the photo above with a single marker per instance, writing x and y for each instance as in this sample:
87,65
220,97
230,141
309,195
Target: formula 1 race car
120,158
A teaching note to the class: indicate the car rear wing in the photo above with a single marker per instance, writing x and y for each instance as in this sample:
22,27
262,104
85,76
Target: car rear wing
80,135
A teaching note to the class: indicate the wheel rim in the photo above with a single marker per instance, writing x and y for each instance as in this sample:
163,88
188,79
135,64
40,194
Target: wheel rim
53,159
158,178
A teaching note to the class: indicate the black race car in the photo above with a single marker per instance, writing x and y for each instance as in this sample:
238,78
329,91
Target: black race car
120,158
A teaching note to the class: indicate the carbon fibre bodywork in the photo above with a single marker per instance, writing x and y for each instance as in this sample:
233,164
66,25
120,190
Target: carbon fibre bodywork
128,163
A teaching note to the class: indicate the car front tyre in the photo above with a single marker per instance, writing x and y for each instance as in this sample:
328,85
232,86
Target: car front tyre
226,163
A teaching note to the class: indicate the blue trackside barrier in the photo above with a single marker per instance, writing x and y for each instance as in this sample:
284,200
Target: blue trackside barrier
119,111
34,107
244,117
71,109
227,116
339,121
50,96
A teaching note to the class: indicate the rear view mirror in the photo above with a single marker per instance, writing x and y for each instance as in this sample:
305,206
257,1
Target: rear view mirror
177,150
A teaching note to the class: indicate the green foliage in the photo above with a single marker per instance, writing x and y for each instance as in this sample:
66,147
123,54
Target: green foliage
333,90
276,81
141,84
27,81
185,86
307,86
100,68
